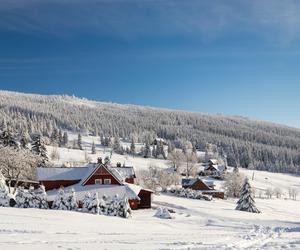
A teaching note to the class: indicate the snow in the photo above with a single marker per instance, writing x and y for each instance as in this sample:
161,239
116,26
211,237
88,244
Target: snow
196,225
101,190
59,173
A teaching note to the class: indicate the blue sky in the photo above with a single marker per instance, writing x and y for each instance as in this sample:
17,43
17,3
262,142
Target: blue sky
232,57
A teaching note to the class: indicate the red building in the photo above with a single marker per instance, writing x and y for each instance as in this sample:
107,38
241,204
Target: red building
206,187
100,178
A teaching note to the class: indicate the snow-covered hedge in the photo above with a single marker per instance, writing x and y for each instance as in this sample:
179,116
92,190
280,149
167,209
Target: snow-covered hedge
65,201
106,205
189,193
31,198
37,198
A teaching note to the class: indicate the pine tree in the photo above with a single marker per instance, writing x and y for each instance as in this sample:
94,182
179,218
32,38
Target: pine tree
55,136
7,139
71,201
39,148
24,142
86,203
132,147
24,198
93,148
60,139
60,202
91,204
124,208
246,201
116,145
79,142
194,148
154,151
4,197
40,198
147,151
65,139
24,139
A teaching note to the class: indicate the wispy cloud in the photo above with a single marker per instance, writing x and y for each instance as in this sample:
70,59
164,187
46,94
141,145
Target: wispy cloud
139,18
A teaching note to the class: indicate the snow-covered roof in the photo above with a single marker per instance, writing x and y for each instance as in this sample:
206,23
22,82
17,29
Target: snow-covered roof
137,189
108,190
214,161
188,182
63,173
215,166
124,172
78,173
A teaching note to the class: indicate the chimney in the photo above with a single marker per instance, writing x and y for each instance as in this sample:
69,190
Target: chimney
99,161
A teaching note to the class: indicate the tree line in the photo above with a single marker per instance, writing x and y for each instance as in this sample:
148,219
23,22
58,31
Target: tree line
246,143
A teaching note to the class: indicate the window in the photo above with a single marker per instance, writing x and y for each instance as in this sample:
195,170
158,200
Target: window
107,181
98,181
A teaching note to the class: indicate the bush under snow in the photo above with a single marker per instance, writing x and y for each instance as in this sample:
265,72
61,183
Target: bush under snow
190,193
106,205
31,198
163,213
59,202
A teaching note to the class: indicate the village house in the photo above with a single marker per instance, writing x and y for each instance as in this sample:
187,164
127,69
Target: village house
96,178
213,168
206,187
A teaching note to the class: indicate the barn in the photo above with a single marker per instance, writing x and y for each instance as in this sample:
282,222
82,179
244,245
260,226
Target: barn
95,178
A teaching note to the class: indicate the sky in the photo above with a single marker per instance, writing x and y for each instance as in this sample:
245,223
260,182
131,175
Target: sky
233,57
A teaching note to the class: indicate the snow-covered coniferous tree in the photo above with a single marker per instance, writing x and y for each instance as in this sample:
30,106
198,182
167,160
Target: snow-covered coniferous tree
7,139
246,201
93,148
39,148
4,197
40,198
124,208
79,142
60,202
65,139
71,201
24,198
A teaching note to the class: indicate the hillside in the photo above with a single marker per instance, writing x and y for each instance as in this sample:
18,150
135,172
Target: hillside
197,225
249,143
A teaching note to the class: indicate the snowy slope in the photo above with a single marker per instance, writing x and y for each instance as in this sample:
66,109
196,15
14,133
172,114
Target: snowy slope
262,179
197,225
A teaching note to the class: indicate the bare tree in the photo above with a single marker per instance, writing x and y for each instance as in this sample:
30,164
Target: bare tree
278,192
16,165
176,159
233,184
293,193
55,154
269,193
189,164
155,178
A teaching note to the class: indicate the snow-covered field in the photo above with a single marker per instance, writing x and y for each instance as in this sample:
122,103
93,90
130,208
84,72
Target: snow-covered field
75,156
197,225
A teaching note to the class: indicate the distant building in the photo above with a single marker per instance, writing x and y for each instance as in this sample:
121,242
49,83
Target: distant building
206,187
214,168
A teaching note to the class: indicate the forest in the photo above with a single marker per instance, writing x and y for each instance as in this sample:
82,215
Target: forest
245,142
